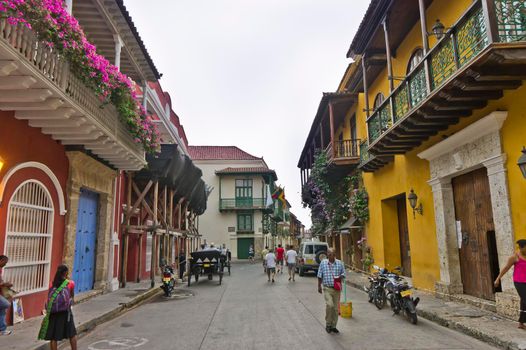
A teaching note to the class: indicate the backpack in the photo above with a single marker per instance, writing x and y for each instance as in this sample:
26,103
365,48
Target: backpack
60,298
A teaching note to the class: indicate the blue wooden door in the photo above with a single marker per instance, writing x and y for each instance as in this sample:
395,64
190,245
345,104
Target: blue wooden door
85,242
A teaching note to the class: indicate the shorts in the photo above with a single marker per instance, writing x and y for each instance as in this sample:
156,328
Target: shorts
291,266
280,262
271,269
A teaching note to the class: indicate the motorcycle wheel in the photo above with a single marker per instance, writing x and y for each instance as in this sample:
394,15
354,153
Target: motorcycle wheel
413,318
379,299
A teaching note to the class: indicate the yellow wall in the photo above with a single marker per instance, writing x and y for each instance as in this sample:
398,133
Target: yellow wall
408,171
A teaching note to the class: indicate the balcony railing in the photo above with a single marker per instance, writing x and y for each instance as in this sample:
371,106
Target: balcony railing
463,42
55,72
346,149
364,153
242,203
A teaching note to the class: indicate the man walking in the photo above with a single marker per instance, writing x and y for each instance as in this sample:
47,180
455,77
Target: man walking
330,274
264,253
280,254
291,262
270,259
4,303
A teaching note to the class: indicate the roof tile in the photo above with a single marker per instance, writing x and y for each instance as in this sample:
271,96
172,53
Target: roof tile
219,152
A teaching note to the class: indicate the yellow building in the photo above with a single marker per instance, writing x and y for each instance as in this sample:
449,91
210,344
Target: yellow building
435,99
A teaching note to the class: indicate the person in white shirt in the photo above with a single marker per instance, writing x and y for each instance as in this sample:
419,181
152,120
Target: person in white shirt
270,259
290,256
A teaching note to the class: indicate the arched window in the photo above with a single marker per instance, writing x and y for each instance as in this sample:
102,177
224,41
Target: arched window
378,100
28,238
415,59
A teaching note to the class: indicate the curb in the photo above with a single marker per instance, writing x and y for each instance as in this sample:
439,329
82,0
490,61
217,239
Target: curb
457,326
88,326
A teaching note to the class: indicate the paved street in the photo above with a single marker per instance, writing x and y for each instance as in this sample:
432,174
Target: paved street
246,312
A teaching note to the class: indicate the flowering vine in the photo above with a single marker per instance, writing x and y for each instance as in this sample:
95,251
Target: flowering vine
328,200
59,30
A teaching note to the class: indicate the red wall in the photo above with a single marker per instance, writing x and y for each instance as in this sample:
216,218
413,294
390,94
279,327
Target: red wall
21,143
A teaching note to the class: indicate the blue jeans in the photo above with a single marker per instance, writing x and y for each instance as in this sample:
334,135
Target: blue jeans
4,305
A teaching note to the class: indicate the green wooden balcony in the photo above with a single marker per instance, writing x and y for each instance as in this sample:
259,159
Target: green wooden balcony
368,161
242,204
478,58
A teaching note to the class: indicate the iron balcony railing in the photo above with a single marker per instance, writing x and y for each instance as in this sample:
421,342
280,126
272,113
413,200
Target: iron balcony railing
242,203
460,45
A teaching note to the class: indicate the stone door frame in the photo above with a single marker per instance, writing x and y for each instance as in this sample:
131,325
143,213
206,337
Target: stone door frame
86,172
476,146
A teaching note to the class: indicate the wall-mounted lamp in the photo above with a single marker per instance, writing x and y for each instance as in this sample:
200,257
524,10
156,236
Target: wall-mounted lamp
1,163
413,199
522,162
438,30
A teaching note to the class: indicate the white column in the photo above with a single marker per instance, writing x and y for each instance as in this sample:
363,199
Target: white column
118,49
69,6
498,186
448,254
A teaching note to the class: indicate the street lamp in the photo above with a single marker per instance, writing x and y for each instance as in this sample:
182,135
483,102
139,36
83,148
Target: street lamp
438,30
413,199
522,162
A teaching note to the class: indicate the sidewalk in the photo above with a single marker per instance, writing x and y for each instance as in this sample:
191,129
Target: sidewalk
483,325
87,315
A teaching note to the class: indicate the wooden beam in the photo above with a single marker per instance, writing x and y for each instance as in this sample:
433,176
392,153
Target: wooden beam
490,19
171,210
156,202
331,121
139,199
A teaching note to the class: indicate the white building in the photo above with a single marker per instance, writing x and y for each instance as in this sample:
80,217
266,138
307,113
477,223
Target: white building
240,211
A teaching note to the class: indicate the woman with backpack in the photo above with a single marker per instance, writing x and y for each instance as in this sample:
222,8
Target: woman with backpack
58,323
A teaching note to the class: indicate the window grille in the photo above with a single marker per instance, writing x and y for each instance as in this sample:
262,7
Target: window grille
29,238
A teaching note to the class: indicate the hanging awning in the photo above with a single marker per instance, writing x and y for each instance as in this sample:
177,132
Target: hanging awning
350,224
177,171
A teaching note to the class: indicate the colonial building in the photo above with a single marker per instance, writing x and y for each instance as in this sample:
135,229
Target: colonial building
435,99
69,145
240,208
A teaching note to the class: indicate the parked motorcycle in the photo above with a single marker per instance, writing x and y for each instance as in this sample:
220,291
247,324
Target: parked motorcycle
399,294
168,280
376,289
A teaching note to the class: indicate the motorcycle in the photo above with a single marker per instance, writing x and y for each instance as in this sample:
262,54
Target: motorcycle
168,280
399,294
376,289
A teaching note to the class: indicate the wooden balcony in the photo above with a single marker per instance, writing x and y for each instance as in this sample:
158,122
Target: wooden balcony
243,204
482,55
344,153
37,83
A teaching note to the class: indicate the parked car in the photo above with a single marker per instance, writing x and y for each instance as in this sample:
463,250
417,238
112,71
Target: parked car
310,255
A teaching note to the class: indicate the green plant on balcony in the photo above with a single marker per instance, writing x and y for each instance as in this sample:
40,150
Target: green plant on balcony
359,200
61,32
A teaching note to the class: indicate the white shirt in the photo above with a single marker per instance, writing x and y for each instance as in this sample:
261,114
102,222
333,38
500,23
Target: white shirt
291,256
270,258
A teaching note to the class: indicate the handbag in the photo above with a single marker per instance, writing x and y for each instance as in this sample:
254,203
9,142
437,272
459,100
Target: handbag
337,284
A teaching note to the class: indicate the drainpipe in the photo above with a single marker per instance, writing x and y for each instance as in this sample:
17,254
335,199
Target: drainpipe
69,6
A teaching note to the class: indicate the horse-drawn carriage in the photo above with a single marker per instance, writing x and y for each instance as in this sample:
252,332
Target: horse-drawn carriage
205,262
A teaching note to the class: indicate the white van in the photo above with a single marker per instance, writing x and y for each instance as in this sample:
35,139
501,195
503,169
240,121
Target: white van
310,255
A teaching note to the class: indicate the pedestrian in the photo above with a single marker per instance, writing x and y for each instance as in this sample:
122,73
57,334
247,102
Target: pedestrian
291,262
280,254
270,259
251,254
182,263
58,323
264,253
4,302
330,274
518,261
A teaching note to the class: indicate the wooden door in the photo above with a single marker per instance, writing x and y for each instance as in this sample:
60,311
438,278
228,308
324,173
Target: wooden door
474,213
403,231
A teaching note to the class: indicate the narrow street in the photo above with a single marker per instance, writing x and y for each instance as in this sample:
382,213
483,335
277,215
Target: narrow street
246,312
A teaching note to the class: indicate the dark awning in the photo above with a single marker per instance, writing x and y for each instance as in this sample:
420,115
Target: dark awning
177,171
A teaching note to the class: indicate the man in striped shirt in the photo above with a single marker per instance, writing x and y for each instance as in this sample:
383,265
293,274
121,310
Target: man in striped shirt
330,269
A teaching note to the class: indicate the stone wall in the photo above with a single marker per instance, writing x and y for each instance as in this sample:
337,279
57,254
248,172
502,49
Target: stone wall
86,172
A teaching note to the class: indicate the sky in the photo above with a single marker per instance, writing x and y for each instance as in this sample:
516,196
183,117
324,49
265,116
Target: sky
250,73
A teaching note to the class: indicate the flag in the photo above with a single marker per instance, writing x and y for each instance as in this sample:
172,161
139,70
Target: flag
269,201
279,194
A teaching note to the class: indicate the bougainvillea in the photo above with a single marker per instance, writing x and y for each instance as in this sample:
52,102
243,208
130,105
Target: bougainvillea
328,201
61,31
